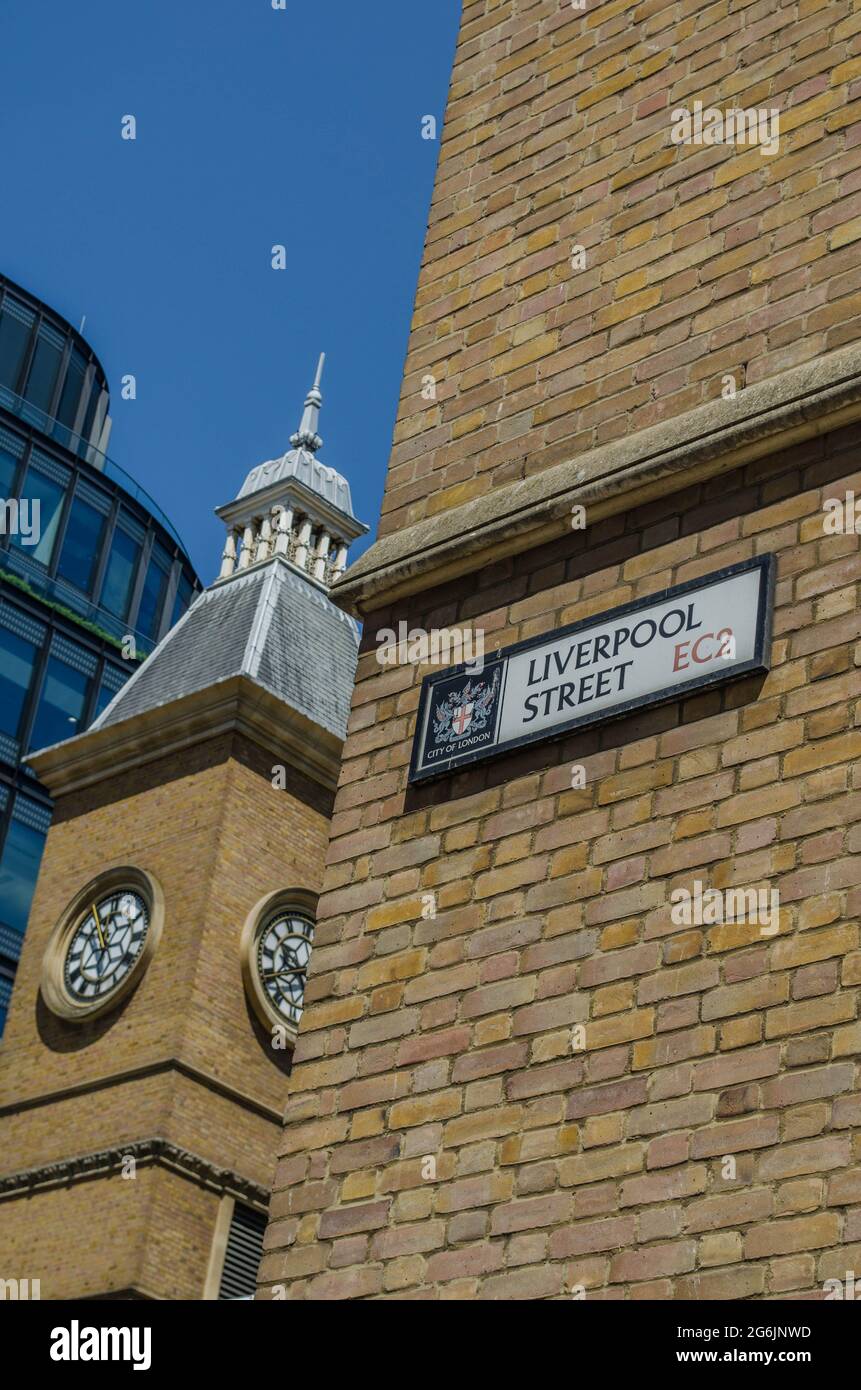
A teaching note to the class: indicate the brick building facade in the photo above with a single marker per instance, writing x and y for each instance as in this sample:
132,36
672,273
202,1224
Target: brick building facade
139,1119
516,1075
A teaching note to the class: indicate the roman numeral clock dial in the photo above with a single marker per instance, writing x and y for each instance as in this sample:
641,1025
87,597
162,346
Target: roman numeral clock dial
283,952
274,953
102,944
105,945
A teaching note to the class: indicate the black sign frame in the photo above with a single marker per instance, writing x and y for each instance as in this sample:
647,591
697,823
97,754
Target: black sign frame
759,662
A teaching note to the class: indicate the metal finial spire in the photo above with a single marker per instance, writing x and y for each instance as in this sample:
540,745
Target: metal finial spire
307,436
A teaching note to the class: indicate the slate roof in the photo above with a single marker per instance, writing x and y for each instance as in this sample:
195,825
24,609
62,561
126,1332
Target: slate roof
267,623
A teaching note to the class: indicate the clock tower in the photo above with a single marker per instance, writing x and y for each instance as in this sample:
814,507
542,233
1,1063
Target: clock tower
143,1074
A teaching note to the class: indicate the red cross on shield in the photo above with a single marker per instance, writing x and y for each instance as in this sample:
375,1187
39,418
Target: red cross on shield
462,718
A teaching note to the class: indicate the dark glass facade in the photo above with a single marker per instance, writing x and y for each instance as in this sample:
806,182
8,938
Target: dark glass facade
102,566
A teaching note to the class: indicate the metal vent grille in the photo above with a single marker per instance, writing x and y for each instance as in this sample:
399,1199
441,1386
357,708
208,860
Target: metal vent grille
21,624
92,495
51,336
18,311
113,679
127,523
77,657
50,467
31,813
244,1253
11,443
10,947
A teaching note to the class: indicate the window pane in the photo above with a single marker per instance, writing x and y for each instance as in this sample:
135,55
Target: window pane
117,588
19,869
82,544
61,706
8,470
5,996
50,497
183,598
17,660
72,388
152,597
112,681
43,374
86,427
14,337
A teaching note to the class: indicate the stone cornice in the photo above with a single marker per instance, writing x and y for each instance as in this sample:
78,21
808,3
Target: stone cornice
236,705
260,502
108,1162
121,1078
817,397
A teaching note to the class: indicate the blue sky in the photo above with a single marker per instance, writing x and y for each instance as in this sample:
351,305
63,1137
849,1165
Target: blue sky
254,127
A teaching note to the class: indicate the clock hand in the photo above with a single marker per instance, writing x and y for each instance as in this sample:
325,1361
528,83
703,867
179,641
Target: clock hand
95,912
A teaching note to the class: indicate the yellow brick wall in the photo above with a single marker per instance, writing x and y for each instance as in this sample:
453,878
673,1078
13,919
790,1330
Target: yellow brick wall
150,1235
217,835
443,1138
700,260
451,1037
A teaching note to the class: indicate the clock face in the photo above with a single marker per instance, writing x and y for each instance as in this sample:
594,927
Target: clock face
283,952
105,945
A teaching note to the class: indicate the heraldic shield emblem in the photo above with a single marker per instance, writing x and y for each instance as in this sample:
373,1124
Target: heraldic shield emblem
458,716
467,708
462,718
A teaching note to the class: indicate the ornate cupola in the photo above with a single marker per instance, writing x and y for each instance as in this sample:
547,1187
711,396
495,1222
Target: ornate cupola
267,622
293,506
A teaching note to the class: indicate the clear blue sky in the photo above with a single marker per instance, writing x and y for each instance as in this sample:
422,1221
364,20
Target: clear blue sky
254,127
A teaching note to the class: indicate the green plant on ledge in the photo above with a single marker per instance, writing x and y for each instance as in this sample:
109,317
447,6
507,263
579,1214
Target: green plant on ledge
70,614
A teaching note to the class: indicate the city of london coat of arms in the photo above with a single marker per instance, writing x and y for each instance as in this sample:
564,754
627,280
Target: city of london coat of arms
467,710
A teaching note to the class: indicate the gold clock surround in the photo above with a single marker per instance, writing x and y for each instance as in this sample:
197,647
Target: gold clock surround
53,986
284,900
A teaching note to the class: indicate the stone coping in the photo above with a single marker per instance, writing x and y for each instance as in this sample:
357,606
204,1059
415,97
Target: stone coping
236,704
804,401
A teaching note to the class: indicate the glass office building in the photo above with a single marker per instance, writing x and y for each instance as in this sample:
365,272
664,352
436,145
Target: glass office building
87,562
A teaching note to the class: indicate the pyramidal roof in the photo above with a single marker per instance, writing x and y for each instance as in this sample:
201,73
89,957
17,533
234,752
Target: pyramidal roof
267,623
268,616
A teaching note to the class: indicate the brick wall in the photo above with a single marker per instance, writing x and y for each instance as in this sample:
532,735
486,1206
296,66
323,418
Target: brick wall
444,1138
150,1235
78,1241
450,1038
210,826
700,260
